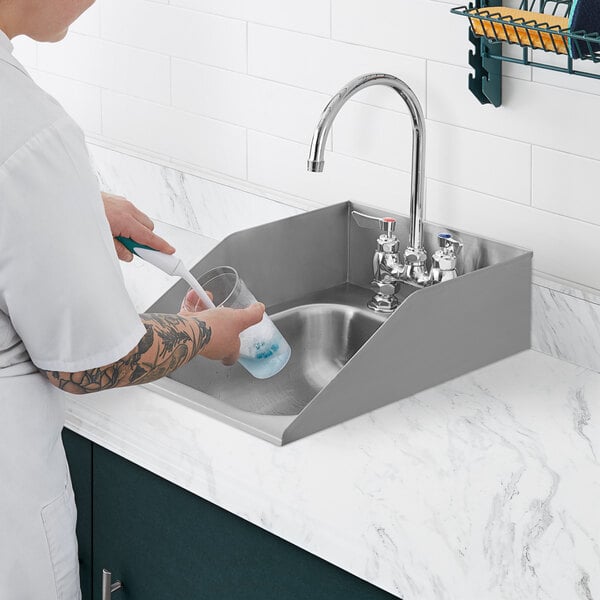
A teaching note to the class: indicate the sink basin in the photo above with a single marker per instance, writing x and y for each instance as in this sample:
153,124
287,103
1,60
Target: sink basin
324,336
313,271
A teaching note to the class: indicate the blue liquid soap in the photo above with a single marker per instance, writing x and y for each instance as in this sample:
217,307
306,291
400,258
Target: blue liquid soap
263,355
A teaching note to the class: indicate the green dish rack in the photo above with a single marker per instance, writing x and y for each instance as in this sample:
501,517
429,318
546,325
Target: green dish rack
491,27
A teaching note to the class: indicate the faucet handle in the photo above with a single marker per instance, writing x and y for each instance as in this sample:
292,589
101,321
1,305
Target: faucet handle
385,224
449,244
443,261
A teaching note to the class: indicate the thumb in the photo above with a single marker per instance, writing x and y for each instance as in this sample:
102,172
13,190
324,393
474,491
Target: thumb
251,315
122,252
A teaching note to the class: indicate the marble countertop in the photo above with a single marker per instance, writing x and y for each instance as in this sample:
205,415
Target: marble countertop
484,488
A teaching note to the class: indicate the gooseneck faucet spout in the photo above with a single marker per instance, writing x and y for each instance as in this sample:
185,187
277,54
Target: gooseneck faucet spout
415,255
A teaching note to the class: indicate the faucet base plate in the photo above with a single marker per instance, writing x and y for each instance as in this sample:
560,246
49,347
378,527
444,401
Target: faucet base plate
382,303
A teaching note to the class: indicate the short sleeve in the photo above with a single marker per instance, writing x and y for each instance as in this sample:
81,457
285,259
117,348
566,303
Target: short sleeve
60,279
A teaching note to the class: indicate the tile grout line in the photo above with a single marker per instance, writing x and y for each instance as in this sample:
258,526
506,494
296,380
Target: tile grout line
531,176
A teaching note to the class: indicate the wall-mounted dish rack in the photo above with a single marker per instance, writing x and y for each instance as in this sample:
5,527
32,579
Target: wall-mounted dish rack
540,25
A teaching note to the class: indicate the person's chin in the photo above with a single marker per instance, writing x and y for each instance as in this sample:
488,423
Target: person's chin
52,37
60,36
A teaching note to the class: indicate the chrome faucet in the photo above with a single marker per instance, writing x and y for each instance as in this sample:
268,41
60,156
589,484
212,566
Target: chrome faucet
387,265
443,261
414,268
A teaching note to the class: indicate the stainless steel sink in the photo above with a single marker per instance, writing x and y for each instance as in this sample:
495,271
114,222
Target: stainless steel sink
324,335
313,272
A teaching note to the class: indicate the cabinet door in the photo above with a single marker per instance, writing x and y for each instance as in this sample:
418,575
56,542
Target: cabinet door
79,456
164,543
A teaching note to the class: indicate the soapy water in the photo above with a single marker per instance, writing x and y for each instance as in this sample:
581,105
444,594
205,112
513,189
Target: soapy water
263,350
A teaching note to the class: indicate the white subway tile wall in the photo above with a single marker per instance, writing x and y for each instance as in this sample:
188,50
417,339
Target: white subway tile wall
174,31
250,102
81,100
89,22
235,87
110,66
187,137
308,16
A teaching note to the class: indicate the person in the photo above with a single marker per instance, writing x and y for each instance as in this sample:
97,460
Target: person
66,321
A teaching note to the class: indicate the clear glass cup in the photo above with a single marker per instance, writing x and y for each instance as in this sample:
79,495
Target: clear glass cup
263,350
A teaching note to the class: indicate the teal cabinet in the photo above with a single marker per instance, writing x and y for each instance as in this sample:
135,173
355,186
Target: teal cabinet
165,543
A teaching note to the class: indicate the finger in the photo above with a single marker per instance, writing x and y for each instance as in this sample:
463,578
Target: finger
193,303
190,300
143,218
201,304
145,236
122,252
251,315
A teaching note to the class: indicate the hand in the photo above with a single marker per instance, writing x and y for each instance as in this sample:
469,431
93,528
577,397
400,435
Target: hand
226,324
191,302
128,221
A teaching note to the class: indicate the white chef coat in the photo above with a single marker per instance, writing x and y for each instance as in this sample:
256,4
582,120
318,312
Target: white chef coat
64,307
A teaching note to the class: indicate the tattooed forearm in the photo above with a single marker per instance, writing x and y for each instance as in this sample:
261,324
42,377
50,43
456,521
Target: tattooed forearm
170,342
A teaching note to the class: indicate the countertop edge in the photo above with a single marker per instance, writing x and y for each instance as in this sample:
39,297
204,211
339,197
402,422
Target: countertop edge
161,460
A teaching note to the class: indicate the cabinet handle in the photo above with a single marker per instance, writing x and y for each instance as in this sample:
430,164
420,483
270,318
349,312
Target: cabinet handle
108,587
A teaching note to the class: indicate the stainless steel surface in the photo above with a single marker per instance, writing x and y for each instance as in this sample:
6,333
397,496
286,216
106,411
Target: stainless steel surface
324,335
279,261
107,586
350,360
485,315
415,255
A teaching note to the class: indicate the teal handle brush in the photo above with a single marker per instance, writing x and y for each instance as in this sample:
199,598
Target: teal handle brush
131,245
168,263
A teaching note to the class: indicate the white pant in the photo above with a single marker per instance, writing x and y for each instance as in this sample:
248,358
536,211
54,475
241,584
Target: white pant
38,547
